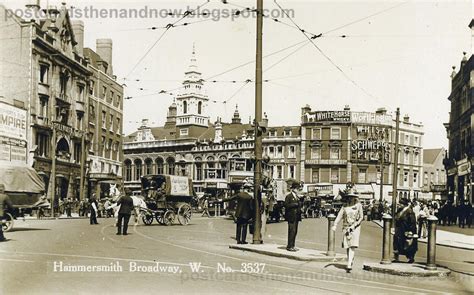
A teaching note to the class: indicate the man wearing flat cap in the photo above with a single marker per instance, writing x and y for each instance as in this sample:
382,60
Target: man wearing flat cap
292,213
4,203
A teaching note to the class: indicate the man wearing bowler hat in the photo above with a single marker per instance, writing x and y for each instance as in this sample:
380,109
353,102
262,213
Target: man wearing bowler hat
293,213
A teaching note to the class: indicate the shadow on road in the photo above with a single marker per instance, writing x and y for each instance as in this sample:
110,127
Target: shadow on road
336,265
27,229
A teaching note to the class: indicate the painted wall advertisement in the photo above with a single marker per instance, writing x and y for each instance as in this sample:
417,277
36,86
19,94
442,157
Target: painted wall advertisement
13,144
328,116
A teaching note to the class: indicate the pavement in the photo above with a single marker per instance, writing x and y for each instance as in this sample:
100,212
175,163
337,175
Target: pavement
407,269
280,251
447,238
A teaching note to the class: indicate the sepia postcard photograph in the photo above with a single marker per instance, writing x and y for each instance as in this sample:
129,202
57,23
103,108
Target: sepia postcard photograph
236,147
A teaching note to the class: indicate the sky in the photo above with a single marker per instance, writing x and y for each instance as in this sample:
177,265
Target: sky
399,55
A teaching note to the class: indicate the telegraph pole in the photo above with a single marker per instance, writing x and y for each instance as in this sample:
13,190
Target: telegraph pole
395,166
257,237
83,163
52,178
382,155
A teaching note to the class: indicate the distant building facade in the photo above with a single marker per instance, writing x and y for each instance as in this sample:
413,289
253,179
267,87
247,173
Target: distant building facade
48,76
347,146
215,155
105,122
459,132
434,174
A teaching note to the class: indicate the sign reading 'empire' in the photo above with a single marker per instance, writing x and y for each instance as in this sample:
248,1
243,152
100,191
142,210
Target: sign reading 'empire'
12,122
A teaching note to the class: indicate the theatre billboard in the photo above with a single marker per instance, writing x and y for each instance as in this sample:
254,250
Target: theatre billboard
12,134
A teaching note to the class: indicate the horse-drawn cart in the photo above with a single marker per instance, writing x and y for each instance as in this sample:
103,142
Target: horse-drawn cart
23,186
168,198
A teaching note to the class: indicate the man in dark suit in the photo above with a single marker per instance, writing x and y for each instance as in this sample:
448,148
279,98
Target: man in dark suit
243,212
126,207
4,203
93,210
293,214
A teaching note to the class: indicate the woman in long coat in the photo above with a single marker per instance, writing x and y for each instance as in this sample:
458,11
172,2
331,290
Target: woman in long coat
351,215
405,238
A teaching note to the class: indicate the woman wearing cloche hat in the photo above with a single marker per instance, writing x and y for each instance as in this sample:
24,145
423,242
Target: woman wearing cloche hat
352,215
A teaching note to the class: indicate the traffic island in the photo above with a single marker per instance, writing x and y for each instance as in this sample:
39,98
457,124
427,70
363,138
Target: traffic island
406,269
280,251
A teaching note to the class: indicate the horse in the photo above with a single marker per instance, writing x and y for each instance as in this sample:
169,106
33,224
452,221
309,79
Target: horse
138,203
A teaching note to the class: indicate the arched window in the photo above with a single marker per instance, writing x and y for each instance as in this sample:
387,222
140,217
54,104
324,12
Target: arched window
198,169
148,166
171,164
62,149
185,107
138,169
159,166
128,170
210,162
199,107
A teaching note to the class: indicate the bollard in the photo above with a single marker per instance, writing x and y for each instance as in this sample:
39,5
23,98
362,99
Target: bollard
386,239
218,209
431,259
215,210
331,236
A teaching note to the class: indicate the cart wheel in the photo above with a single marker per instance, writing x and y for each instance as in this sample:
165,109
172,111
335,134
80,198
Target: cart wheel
147,218
184,214
169,217
159,218
7,223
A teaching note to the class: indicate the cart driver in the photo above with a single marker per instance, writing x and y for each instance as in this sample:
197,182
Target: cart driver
161,195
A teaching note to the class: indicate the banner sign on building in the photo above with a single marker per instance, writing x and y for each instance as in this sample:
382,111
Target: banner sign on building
370,150
371,118
328,116
13,144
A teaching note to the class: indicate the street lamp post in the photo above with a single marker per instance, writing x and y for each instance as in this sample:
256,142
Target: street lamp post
395,166
257,238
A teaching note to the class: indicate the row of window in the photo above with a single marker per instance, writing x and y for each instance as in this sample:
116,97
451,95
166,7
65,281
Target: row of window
335,133
277,172
114,125
435,177
279,151
274,133
137,169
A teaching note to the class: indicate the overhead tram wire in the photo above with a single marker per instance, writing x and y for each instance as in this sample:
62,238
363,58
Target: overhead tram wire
327,57
323,34
224,72
169,26
364,18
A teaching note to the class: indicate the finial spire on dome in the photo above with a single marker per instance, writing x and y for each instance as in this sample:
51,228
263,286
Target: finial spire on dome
193,63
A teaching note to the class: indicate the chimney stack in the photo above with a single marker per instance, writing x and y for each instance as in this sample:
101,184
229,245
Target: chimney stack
78,29
381,111
104,50
305,109
34,5
406,119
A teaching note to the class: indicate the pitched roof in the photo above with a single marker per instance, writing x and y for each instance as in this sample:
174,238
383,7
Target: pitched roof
430,155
